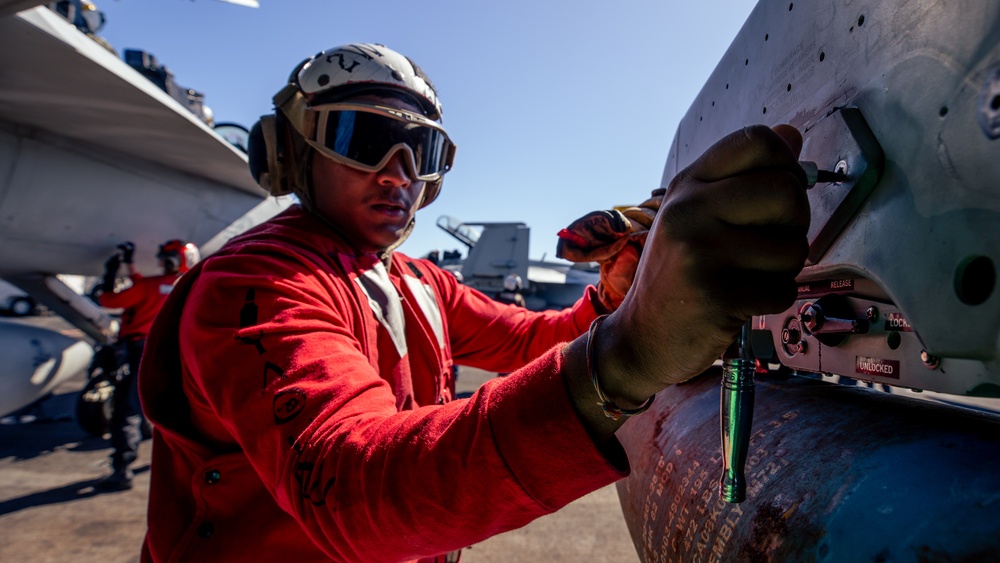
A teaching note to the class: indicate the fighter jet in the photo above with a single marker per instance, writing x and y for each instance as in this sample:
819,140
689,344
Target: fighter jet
498,249
93,152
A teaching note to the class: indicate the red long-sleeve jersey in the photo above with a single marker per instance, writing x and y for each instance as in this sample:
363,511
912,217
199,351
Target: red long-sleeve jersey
141,302
302,400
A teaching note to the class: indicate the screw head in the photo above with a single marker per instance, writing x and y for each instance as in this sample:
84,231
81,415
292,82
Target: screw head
930,361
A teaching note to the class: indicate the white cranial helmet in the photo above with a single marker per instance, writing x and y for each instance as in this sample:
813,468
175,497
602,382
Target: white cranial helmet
348,70
512,282
332,76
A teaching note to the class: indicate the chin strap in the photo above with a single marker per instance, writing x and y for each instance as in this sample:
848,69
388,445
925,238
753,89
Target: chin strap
402,238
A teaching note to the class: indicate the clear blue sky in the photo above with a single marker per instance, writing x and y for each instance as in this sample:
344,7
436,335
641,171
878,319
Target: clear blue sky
558,107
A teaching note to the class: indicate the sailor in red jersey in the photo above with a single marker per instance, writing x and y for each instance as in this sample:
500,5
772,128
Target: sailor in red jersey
299,379
140,301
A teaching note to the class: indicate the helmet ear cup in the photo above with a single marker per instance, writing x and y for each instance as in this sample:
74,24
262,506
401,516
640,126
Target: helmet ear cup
257,154
172,262
268,154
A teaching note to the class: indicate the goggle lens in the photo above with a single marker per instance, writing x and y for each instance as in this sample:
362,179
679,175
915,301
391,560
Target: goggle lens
368,136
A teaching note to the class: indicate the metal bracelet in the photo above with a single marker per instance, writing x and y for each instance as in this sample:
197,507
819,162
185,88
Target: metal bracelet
610,408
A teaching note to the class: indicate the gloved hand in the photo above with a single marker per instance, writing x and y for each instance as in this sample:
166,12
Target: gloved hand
614,239
127,248
727,244
111,266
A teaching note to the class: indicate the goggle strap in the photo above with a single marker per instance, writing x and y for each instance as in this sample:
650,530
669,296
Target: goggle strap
451,157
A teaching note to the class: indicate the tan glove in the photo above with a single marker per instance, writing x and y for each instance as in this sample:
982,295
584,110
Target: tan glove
614,239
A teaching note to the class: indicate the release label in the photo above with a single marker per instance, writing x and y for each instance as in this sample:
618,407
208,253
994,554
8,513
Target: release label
877,366
825,287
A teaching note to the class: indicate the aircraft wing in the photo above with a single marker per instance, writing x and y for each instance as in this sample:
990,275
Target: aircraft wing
8,7
92,153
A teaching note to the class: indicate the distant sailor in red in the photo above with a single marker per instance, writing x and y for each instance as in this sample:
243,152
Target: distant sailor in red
140,300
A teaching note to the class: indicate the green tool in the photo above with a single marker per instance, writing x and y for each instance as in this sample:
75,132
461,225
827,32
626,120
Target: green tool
736,415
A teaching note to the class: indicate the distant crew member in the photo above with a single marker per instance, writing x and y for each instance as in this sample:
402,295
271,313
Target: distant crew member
511,291
141,302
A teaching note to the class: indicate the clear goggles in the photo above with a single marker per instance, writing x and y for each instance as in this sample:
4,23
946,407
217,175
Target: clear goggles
366,136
